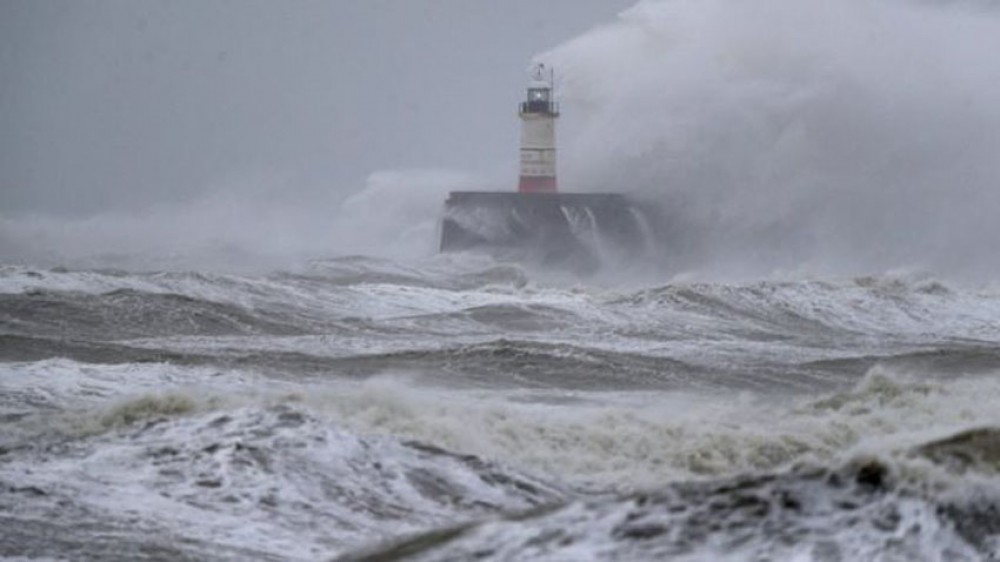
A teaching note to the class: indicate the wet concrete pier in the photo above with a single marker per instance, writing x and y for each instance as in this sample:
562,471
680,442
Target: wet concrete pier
575,230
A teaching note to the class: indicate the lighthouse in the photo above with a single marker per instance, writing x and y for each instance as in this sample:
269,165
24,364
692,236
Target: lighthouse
537,223
538,113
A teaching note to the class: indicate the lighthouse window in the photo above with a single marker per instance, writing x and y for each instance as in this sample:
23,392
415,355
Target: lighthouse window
538,95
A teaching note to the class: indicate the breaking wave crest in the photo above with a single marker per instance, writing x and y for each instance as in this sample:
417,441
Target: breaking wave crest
318,468
861,510
307,487
355,400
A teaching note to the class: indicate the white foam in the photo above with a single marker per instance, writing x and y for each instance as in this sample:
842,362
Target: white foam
625,441
269,481
591,441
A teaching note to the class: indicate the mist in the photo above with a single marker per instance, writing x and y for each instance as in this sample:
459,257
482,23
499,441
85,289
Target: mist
774,138
803,137
207,131
250,225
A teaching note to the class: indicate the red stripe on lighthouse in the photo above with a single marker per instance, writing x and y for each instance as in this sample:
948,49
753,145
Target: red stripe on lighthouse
537,184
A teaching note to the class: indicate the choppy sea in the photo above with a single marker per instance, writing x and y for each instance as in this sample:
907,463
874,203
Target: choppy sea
464,409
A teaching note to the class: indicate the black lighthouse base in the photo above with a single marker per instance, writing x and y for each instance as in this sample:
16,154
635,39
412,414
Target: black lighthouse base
579,231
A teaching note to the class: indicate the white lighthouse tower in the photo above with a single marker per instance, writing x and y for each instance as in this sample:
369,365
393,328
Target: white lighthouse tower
537,223
538,134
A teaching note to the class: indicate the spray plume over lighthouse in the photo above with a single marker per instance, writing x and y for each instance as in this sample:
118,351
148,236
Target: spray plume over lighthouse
537,223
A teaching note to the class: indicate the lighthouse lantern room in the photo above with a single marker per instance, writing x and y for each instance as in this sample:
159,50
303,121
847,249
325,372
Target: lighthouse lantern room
538,134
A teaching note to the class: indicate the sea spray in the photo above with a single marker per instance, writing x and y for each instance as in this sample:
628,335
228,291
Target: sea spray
786,134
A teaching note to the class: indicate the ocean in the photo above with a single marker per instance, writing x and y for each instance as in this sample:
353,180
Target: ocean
219,342
461,408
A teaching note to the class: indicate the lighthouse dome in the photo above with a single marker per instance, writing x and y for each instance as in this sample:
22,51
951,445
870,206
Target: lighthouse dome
540,77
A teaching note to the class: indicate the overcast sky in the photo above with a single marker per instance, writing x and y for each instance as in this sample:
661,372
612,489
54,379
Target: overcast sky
774,135
119,104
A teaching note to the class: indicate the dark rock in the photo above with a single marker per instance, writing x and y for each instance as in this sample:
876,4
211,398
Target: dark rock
872,474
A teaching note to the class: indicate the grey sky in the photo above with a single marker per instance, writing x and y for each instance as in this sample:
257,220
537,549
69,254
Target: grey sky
777,135
118,104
